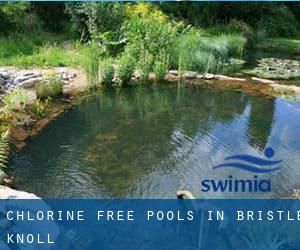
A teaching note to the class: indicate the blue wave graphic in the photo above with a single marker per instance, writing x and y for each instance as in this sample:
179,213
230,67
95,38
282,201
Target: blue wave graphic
246,167
247,162
253,159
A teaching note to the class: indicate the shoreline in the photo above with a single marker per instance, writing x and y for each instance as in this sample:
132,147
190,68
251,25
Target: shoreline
78,87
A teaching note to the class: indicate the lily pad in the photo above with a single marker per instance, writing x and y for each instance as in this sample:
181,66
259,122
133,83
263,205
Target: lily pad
274,68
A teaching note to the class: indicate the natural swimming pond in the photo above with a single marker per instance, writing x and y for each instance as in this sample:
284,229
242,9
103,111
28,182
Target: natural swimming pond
147,142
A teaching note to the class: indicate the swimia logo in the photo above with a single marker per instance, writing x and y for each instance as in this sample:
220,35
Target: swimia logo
246,163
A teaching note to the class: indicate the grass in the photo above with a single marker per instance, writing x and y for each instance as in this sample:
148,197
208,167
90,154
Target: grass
16,49
282,44
46,56
191,51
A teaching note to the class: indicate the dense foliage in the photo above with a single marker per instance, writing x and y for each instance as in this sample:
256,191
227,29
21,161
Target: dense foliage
110,39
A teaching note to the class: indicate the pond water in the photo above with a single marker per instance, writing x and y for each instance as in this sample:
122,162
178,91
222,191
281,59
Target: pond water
148,142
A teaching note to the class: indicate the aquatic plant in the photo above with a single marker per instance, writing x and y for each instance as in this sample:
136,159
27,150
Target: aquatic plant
145,64
16,99
206,53
161,65
126,68
4,148
107,72
41,107
90,63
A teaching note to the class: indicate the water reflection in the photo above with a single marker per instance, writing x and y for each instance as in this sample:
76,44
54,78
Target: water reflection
147,142
260,121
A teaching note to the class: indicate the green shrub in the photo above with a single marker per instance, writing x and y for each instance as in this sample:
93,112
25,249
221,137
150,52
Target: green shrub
96,17
279,22
49,88
13,16
16,99
147,37
151,35
126,68
107,72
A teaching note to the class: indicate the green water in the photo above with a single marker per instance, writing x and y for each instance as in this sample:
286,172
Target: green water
148,142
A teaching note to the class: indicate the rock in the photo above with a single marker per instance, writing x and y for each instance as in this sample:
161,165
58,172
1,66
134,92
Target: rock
173,72
136,74
64,76
4,74
65,82
37,73
208,76
189,74
21,78
26,75
8,181
9,193
228,78
262,80
170,77
30,83
3,175
199,76
2,81
296,194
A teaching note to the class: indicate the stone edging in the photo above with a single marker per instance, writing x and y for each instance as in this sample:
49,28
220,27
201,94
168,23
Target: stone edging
11,78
